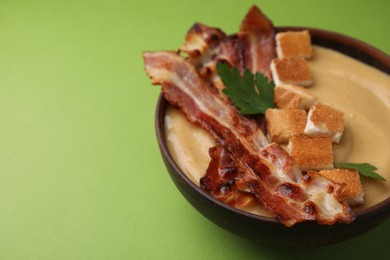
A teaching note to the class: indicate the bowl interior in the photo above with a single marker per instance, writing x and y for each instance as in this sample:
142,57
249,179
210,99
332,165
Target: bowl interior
381,211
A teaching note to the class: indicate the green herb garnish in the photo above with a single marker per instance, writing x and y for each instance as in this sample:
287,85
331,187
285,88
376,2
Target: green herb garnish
365,169
252,94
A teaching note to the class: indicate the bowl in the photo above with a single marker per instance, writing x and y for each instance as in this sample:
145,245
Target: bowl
264,229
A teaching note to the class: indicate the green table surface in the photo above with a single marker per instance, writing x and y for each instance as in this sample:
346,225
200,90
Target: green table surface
81,175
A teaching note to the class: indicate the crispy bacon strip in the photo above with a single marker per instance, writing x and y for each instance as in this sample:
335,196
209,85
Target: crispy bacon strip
162,65
223,179
206,46
267,170
258,38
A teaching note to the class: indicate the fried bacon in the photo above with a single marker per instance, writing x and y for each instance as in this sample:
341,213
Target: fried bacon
258,38
223,179
267,170
206,46
186,84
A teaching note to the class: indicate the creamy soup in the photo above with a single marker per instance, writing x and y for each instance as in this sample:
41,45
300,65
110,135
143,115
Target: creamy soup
361,92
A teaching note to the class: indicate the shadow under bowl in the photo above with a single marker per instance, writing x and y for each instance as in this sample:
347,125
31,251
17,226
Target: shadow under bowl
264,229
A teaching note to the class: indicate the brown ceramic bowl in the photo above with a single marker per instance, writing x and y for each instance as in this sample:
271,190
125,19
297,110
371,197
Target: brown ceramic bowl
265,229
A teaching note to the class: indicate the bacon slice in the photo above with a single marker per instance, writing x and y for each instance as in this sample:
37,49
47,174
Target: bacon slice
267,170
184,88
223,179
206,46
258,38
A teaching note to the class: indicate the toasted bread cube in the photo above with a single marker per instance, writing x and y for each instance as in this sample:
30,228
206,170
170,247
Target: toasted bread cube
291,71
293,97
323,119
311,152
284,123
353,192
294,44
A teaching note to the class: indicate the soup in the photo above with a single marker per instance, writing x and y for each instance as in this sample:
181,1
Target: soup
361,92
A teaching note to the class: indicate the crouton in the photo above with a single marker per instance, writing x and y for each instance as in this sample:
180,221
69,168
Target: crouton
293,97
291,71
294,44
284,123
353,192
323,119
311,152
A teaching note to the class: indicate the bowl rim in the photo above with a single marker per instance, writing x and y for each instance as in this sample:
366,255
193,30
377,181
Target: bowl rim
382,207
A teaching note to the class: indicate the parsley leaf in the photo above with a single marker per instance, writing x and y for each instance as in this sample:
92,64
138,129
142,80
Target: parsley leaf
252,94
365,169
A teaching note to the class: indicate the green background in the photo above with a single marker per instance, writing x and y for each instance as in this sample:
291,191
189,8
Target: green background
81,176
